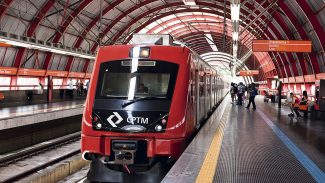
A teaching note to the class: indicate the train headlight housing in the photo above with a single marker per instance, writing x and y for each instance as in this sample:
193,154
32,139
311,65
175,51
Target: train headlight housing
98,125
158,128
139,52
144,52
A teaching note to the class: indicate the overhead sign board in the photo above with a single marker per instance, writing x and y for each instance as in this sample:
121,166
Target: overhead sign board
281,46
31,72
4,44
76,75
248,72
56,73
8,71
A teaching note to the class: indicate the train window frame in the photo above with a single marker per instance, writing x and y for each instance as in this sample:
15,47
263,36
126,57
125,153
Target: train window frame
173,71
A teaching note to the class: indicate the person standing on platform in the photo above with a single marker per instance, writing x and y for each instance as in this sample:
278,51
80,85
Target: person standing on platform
78,87
291,101
252,93
86,87
81,88
241,90
304,102
296,103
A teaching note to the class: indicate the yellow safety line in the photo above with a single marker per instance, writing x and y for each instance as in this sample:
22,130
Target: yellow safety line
209,165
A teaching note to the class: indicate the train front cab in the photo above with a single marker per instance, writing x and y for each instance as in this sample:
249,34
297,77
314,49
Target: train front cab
153,124
155,118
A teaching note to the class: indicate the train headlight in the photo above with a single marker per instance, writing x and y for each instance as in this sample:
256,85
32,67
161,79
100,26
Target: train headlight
144,52
139,52
158,128
98,126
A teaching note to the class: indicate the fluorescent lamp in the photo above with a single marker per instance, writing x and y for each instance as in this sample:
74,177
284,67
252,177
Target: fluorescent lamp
45,48
235,36
209,39
234,54
235,12
235,48
189,2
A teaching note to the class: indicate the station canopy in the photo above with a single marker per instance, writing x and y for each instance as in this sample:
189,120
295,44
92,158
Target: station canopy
205,26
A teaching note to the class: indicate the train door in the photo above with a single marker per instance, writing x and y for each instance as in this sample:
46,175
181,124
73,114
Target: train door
214,91
201,93
218,91
205,94
211,91
197,97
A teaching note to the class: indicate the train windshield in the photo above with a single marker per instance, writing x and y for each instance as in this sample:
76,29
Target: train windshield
119,80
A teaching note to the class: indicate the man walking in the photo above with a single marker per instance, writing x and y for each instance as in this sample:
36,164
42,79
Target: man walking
241,90
252,94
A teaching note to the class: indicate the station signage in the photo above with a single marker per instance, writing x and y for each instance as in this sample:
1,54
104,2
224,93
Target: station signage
281,46
31,72
248,72
57,73
41,72
8,71
76,75
4,44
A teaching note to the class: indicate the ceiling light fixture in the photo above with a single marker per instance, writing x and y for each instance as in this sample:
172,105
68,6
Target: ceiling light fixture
45,48
235,12
189,2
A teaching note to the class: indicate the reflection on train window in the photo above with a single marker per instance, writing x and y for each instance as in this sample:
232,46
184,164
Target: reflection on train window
146,84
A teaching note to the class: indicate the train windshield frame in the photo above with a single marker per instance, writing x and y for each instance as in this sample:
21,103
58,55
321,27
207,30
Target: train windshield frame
124,79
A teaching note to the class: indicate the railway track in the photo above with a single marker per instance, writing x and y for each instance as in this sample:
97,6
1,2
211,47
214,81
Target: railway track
23,163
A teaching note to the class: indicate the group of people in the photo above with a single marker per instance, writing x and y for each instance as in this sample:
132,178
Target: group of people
297,104
80,88
240,91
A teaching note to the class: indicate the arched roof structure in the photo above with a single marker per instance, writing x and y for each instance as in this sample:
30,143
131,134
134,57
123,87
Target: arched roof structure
86,24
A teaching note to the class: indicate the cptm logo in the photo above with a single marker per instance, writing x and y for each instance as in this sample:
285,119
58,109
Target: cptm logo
131,120
119,119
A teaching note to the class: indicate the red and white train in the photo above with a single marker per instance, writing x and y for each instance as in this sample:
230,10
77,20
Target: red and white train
144,103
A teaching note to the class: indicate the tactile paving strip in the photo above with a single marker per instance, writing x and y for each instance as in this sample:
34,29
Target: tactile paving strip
251,152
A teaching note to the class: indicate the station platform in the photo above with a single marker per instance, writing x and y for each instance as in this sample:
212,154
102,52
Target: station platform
11,117
245,145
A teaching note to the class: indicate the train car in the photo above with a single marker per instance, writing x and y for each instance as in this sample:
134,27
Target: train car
144,103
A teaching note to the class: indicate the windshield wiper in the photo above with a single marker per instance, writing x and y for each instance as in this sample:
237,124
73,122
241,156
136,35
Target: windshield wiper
138,99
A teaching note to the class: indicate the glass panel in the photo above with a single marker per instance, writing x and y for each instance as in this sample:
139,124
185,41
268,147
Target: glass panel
4,81
129,79
57,83
27,83
147,84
